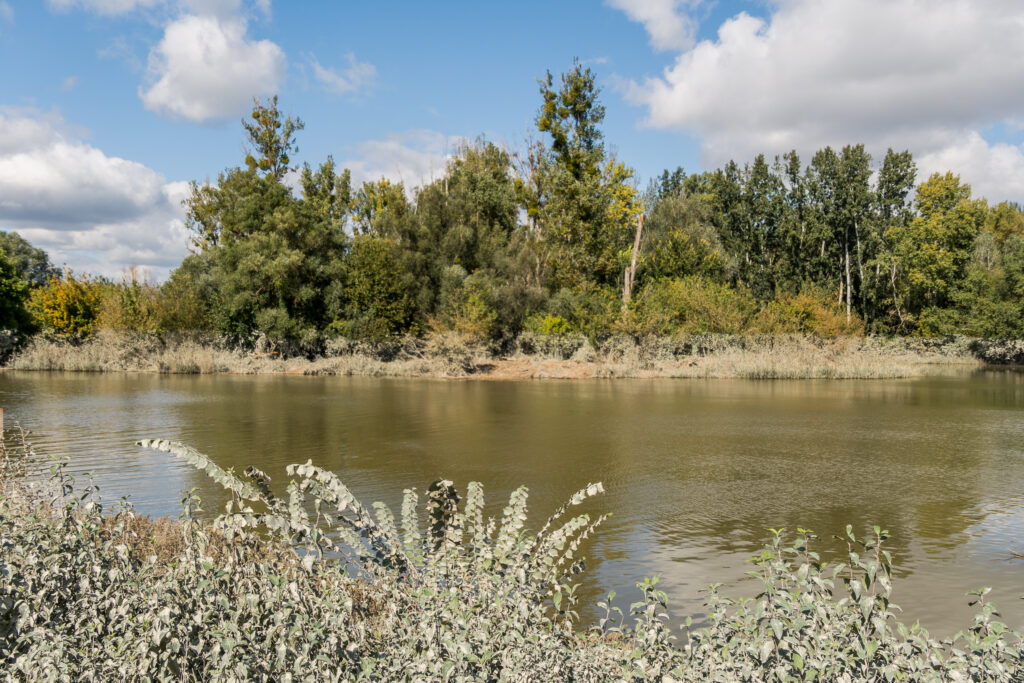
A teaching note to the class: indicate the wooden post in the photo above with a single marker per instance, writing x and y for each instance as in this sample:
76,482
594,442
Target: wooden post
627,286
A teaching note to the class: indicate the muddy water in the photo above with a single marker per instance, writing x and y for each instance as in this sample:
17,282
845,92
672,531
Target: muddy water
695,470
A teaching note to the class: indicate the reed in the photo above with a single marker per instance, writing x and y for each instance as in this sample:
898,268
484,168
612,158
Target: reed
532,356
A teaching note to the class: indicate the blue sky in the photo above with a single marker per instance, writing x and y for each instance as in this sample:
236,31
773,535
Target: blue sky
108,107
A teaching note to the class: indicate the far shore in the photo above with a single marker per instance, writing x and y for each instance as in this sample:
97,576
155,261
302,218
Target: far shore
573,357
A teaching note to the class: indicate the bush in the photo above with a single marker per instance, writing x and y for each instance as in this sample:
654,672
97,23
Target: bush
132,305
693,305
588,309
546,324
808,312
263,593
67,305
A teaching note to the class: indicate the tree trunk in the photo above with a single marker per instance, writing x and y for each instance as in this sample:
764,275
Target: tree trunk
627,285
895,296
860,270
846,249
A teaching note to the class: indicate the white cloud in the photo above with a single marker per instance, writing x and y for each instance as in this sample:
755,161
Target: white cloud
906,73
666,21
6,12
206,67
222,8
993,171
355,77
105,7
415,157
89,210
69,83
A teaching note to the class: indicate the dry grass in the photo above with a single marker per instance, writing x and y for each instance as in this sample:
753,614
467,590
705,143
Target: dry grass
565,357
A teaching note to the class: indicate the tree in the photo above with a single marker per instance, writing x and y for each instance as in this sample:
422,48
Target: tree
33,264
268,262
376,293
893,209
932,251
680,239
13,295
271,139
587,206
328,193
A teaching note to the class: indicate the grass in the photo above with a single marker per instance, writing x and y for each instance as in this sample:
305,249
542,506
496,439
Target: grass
534,356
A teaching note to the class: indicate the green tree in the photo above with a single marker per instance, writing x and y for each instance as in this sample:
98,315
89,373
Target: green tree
893,209
327,192
587,207
13,295
271,139
378,301
933,250
268,262
33,264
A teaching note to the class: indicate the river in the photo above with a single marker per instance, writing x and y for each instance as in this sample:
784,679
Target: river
696,471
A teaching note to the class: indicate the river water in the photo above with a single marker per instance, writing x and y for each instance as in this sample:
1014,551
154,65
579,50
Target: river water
696,471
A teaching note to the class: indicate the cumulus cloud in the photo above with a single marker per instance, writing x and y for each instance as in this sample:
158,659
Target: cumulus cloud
206,67
89,210
927,76
414,157
995,171
353,78
666,21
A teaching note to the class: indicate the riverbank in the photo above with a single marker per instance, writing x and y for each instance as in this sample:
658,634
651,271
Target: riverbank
537,357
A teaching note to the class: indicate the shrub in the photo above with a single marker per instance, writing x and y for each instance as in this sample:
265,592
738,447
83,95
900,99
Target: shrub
67,305
546,324
588,309
808,312
134,305
693,305
263,593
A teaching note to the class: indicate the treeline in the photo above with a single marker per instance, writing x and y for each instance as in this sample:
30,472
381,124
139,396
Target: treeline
546,240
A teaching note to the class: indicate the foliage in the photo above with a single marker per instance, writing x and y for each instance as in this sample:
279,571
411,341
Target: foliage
693,304
134,304
502,241
808,312
13,295
67,305
32,263
548,324
378,304
263,593
588,309
585,204
270,139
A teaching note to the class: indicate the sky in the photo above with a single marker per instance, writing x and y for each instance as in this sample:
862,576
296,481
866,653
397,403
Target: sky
108,108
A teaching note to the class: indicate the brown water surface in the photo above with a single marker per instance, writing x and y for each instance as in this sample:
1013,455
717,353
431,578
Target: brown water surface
696,471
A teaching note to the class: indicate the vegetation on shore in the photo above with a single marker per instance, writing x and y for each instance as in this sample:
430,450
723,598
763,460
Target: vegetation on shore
535,356
314,585
553,239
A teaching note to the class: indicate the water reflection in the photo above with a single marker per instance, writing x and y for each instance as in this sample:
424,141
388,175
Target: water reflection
695,470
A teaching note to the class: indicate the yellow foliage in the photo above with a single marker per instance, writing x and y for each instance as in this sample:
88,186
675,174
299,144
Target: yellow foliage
67,305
